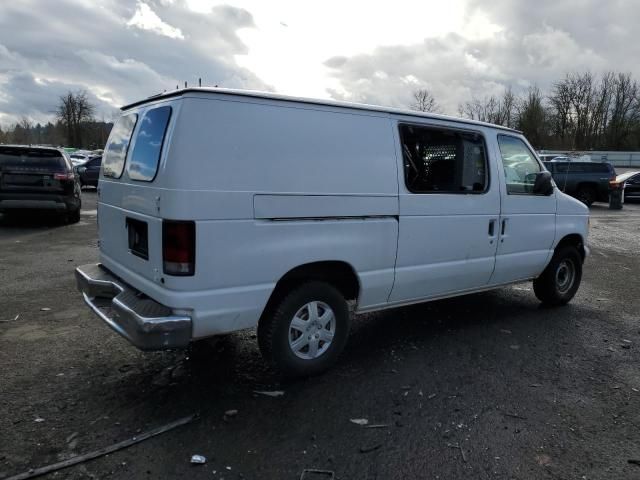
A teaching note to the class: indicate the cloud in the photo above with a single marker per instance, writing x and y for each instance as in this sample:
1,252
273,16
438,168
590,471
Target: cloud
118,50
522,43
147,19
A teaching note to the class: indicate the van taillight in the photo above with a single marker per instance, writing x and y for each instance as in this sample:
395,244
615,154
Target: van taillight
178,247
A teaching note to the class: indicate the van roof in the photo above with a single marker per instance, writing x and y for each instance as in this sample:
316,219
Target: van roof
288,98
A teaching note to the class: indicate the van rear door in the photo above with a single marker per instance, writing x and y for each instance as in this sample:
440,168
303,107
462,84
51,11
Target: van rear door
131,230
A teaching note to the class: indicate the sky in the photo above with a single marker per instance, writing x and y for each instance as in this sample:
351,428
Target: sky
121,51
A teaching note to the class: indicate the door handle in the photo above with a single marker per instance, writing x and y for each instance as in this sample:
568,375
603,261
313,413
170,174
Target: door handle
492,228
503,228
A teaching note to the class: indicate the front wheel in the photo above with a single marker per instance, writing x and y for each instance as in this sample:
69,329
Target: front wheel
560,280
305,332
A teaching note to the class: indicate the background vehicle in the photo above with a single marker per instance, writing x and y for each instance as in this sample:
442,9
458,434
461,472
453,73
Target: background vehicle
631,182
222,210
78,159
89,171
586,181
38,178
547,157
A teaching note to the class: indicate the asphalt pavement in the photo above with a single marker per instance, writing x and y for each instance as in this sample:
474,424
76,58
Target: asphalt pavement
485,386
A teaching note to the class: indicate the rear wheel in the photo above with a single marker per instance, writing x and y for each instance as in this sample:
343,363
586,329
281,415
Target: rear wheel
73,216
586,195
305,332
560,280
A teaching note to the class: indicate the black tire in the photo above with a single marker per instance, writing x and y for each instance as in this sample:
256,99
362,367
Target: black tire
552,287
275,330
586,195
73,216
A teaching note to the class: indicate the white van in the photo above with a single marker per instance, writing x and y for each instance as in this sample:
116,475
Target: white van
224,210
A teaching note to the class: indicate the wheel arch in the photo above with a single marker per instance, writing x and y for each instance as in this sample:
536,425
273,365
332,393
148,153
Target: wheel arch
573,240
338,273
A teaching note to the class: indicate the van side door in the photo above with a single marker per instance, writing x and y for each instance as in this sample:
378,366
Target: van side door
527,220
449,205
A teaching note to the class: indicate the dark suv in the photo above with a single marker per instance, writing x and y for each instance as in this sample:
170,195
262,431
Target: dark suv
586,181
38,178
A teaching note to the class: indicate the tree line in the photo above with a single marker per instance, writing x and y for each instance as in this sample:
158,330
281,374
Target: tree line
75,126
579,112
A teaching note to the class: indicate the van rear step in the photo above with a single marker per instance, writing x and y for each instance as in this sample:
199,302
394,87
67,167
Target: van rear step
144,322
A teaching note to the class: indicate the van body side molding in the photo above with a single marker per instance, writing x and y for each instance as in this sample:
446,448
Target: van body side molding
323,206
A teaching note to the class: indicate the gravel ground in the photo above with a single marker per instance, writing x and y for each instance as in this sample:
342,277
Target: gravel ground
485,386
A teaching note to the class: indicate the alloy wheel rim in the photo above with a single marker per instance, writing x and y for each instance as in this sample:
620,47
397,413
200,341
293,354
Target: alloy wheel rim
312,330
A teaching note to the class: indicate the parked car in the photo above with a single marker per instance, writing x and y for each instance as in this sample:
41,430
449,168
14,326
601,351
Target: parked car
90,171
38,178
224,210
547,157
586,181
631,181
78,159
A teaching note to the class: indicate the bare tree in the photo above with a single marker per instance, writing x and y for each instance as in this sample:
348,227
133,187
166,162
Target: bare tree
532,117
625,111
74,111
500,111
424,101
560,101
22,132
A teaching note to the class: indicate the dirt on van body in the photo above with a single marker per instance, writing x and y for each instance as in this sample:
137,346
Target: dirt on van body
486,386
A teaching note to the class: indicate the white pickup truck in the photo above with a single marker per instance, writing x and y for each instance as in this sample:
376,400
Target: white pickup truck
224,210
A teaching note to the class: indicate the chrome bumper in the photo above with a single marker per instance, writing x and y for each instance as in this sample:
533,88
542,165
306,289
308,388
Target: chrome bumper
145,323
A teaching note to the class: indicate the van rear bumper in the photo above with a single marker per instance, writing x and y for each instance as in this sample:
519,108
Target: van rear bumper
144,322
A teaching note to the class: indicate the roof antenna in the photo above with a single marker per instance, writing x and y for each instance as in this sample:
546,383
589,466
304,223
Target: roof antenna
177,86
185,84
199,82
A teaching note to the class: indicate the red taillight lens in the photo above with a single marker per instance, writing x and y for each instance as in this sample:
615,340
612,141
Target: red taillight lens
63,176
178,247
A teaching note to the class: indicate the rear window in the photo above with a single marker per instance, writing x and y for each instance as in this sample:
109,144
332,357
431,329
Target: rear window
148,147
115,152
31,160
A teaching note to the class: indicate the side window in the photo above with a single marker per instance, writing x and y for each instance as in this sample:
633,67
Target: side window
115,152
146,152
94,163
520,165
438,160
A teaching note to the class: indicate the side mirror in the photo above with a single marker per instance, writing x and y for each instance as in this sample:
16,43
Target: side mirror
82,169
543,184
